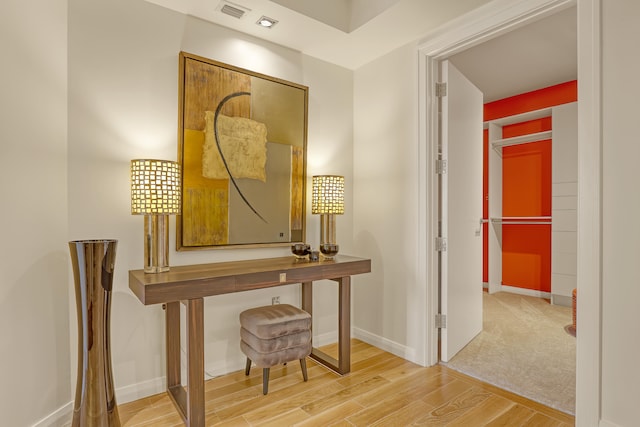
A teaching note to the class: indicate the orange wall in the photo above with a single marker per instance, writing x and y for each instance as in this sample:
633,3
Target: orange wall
526,175
562,93
526,191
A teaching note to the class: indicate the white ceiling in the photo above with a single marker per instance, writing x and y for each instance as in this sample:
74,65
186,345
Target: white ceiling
352,33
345,15
538,55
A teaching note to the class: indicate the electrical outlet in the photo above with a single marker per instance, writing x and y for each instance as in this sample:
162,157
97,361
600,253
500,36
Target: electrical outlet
275,300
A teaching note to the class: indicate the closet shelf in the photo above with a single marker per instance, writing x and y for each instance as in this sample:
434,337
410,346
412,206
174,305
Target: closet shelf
523,139
523,117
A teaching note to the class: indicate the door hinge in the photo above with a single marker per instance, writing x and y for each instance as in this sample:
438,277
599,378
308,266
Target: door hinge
441,89
441,244
441,321
441,166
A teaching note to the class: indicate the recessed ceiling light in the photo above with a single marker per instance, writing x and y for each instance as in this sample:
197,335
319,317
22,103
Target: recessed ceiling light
266,22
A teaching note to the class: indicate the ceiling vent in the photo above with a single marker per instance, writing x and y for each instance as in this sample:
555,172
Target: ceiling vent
232,9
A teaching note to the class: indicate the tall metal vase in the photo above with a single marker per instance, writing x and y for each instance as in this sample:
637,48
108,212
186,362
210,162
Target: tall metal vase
93,264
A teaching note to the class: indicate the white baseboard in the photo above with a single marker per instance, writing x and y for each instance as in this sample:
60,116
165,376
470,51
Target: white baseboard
605,423
59,418
392,347
325,339
561,300
492,288
214,370
523,291
139,390
62,416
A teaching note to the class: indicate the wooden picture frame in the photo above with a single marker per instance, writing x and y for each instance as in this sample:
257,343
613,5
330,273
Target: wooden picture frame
242,146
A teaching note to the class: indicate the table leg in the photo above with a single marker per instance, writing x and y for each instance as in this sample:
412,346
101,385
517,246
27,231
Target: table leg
307,297
190,402
342,365
344,325
195,362
172,337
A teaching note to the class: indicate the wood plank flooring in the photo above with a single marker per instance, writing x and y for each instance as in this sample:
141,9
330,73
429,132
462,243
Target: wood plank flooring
381,390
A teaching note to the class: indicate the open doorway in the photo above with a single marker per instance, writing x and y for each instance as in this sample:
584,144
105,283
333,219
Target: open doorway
487,66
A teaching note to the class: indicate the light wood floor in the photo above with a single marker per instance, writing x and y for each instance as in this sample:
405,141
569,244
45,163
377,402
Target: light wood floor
381,390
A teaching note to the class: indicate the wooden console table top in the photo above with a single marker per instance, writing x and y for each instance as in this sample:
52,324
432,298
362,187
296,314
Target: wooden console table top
202,280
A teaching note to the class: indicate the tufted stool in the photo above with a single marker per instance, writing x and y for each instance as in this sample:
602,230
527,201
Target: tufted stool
275,334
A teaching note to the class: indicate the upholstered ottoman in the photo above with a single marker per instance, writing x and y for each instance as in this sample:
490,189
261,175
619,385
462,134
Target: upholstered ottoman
275,334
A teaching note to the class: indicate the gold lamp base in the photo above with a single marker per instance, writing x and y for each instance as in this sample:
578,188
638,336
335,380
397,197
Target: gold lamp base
329,250
328,246
156,243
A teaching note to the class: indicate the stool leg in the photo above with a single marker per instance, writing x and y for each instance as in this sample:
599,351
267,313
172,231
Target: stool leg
265,380
248,367
303,366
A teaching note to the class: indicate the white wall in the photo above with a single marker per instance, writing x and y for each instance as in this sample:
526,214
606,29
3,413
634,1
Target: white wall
34,266
389,307
620,211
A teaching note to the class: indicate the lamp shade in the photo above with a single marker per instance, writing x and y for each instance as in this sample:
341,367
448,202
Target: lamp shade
327,196
155,187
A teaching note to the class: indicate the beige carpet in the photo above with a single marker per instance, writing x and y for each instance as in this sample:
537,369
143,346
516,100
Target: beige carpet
524,348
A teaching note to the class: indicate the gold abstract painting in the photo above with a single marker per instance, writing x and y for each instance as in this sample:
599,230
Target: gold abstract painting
242,148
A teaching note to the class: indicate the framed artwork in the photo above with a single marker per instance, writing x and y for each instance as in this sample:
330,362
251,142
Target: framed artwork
242,150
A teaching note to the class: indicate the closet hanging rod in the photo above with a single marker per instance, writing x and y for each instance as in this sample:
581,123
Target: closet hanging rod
521,218
520,222
523,222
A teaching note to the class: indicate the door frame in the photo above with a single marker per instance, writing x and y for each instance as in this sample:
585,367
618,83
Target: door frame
493,19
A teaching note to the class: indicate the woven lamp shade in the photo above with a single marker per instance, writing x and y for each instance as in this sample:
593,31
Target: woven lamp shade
155,187
327,195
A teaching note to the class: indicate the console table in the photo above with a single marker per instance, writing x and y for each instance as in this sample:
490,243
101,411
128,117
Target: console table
190,284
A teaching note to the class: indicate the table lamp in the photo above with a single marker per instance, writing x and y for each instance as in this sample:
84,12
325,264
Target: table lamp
155,193
327,199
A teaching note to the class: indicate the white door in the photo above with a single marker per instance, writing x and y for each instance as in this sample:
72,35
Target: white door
461,211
